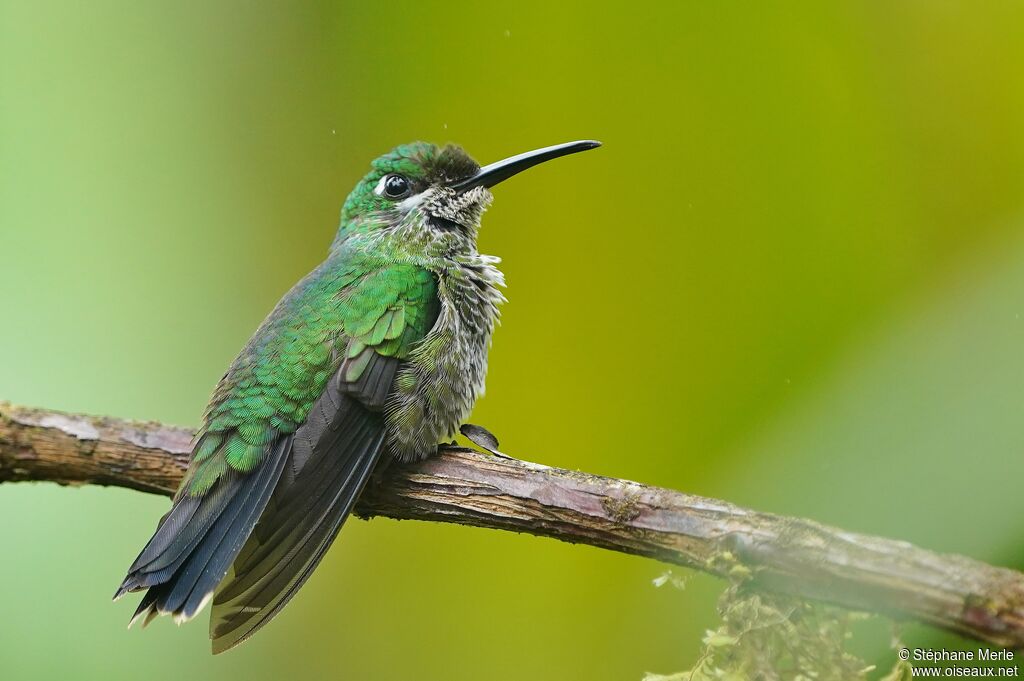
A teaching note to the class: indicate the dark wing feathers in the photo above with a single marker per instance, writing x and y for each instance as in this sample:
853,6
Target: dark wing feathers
374,385
334,453
239,612
272,526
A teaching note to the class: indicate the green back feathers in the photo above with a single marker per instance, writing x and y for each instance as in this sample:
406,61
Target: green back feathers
350,304
364,299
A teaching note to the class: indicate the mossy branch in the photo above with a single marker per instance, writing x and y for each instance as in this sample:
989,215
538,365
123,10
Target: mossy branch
777,554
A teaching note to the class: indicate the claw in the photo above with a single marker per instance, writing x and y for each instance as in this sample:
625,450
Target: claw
482,438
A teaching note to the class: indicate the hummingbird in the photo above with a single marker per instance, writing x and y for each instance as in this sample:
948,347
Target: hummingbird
376,356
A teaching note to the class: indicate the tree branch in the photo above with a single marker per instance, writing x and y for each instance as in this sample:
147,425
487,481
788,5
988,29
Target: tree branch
788,555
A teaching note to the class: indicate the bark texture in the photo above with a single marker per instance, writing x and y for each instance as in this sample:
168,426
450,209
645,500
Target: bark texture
788,555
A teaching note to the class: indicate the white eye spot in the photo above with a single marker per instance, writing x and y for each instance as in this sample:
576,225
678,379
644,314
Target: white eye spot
379,189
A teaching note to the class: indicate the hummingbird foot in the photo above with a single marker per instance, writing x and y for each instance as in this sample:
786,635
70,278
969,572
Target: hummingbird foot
482,438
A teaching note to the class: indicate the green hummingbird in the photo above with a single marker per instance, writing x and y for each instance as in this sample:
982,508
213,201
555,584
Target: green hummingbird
377,355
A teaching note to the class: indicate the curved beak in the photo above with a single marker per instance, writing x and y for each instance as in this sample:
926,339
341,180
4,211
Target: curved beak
492,174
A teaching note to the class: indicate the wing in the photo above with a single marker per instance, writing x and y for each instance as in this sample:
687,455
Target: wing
291,436
333,454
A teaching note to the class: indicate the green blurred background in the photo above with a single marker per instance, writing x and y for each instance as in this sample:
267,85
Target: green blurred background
792,278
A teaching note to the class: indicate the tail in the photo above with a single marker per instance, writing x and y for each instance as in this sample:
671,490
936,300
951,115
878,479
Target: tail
196,542
300,495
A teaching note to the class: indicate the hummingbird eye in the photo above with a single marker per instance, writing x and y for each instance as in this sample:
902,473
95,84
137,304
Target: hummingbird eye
394,186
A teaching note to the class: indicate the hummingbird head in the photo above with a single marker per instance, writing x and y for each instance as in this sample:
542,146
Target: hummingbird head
432,198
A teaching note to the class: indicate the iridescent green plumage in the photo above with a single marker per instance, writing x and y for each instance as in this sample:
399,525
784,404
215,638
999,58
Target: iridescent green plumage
353,305
381,351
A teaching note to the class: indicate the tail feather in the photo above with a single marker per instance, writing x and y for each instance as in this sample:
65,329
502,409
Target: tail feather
209,561
177,535
182,569
269,528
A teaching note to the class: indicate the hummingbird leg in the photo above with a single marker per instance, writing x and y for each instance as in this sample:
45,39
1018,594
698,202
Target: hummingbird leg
482,438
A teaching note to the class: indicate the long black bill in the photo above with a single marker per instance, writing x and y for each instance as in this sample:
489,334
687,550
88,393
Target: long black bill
492,174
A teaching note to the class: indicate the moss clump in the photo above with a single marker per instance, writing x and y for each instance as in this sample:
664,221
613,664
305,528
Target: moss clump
769,637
